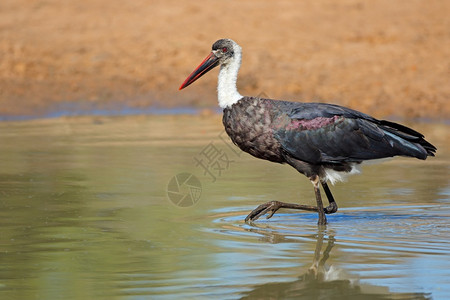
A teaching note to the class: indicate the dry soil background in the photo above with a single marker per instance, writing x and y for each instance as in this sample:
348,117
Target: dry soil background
384,57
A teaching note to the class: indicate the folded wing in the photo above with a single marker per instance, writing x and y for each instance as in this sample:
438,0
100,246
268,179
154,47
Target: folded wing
322,133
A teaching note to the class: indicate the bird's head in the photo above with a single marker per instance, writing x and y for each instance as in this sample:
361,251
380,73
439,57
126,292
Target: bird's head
223,51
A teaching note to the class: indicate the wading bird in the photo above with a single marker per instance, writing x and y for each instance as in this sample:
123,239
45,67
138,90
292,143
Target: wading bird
325,142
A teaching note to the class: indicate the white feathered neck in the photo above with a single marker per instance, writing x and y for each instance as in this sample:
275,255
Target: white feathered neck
227,92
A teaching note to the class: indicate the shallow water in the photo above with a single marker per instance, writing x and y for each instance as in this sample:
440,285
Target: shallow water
91,208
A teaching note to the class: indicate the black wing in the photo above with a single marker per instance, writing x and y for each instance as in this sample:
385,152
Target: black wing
325,133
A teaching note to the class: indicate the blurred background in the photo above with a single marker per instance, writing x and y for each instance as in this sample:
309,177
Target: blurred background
386,58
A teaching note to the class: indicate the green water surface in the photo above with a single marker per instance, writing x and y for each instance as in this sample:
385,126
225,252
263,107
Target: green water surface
92,208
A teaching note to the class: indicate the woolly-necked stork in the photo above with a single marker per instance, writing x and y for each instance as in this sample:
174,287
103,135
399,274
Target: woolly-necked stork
325,142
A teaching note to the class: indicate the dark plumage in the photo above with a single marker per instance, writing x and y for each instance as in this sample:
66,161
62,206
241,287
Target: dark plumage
319,140
321,135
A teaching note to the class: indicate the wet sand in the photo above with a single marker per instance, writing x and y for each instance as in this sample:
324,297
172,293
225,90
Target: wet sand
386,58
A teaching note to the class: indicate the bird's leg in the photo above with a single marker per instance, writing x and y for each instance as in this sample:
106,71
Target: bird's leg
316,181
332,207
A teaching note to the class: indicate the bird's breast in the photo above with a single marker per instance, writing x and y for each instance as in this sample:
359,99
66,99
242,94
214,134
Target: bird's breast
248,123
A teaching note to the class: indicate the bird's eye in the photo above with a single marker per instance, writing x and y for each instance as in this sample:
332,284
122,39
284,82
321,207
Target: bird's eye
224,49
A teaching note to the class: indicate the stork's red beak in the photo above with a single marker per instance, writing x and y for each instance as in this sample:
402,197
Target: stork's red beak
207,64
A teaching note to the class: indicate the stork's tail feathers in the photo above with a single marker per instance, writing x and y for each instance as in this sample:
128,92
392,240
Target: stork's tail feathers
416,145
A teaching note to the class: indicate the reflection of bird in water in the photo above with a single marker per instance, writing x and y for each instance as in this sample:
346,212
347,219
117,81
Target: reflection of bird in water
325,142
322,282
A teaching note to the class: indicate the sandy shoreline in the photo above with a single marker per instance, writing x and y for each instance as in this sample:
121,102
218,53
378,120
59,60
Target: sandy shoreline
385,58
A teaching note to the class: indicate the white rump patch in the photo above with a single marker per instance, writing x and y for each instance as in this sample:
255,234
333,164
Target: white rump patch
334,176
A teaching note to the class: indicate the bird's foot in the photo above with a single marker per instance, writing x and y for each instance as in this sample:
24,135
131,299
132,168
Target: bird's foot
331,209
270,207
